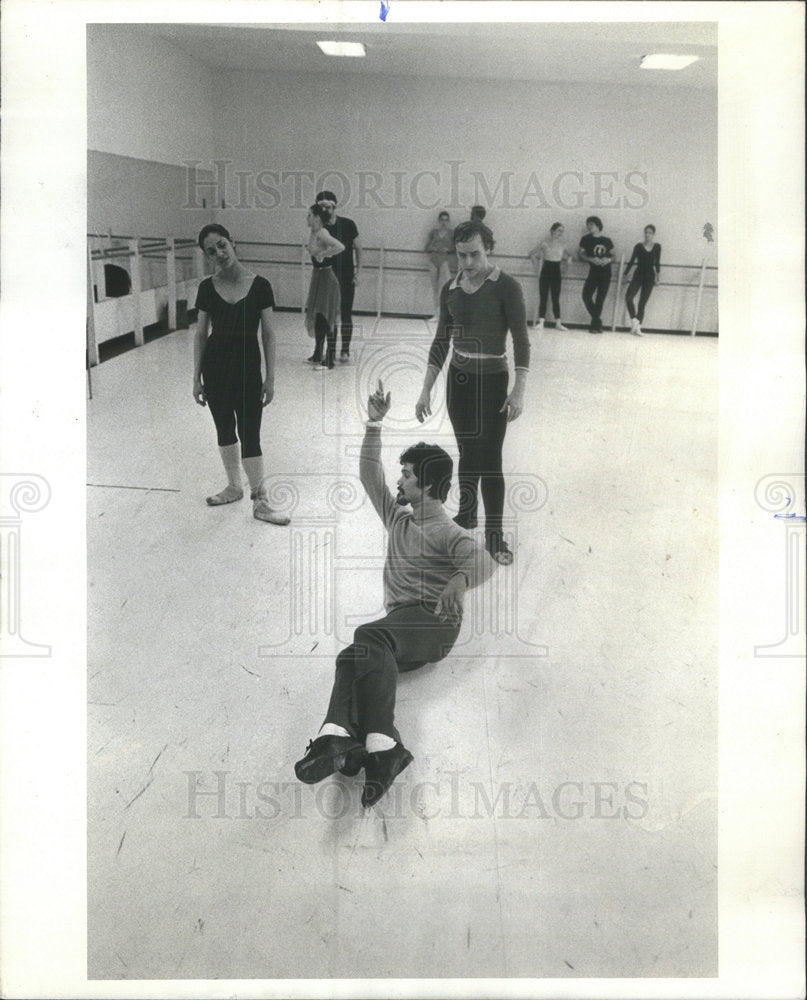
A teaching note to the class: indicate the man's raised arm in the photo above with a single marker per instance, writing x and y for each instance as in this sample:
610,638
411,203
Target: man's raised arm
371,471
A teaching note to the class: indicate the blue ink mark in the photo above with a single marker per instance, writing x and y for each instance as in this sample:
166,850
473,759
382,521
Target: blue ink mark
790,516
384,9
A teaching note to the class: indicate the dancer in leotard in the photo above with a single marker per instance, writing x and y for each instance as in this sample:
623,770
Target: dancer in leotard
547,259
322,307
440,248
477,309
647,258
227,366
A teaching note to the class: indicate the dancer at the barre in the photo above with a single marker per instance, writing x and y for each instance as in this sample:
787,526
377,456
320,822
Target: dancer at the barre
231,305
346,266
647,258
429,566
440,248
598,252
548,258
477,309
322,305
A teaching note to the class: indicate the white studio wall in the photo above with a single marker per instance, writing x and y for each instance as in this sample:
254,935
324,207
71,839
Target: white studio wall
396,150
146,98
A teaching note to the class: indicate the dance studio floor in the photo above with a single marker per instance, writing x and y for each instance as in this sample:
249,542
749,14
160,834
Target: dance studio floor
559,819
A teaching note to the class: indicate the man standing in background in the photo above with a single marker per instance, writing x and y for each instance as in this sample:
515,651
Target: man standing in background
347,272
598,252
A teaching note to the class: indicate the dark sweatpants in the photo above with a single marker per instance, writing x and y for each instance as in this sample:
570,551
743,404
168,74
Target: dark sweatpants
347,289
595,290
363,695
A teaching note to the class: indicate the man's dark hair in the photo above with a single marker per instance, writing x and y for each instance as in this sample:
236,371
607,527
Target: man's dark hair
321,212
432,466
596,220
466,231
326,196
478,212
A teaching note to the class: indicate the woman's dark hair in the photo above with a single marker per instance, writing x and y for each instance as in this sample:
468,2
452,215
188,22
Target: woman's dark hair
326,196
478,212
596,220
432,466
444,215
555,227
321,212
213,227
650,226
466,231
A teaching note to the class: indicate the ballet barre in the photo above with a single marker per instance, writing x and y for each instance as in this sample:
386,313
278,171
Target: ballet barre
184,265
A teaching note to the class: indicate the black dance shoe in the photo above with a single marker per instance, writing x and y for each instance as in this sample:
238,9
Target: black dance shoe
352,769
327,754
499,549
380,770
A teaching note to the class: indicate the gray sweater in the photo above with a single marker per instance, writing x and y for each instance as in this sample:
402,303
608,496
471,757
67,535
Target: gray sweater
421,556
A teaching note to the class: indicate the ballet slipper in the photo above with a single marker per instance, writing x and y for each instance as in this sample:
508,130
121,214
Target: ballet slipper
263,512
228,495
498,549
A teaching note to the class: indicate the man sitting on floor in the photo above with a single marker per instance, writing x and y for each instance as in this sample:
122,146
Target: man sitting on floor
430,563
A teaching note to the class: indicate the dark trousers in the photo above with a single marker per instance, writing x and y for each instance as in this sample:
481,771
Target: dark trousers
364,688
323,332
237,410
474,402
646,286
594,291
347,289
549,282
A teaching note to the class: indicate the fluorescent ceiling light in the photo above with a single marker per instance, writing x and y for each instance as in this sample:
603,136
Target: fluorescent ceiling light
342,48
661,61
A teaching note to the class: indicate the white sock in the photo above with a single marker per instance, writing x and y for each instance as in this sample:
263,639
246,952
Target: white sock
254,470
231,459
376,742
331,729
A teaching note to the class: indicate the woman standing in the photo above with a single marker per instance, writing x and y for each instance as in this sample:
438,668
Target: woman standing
323,305
477,309
647,258
547,258
440,248
227,366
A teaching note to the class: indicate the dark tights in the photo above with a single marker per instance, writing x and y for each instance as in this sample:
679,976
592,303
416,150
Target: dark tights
237,415
646,286
549,282
474,404
323,332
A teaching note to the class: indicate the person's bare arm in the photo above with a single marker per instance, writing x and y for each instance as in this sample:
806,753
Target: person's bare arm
199,341
268,341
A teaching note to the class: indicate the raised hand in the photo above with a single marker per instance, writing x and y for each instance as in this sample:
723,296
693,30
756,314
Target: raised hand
378,404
